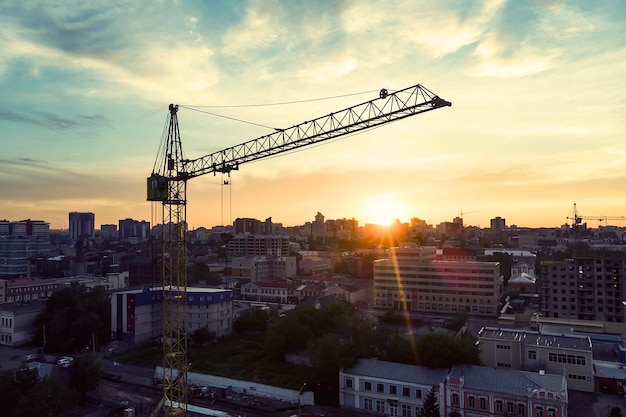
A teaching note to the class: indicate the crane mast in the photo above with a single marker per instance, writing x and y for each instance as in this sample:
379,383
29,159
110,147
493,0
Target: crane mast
168,184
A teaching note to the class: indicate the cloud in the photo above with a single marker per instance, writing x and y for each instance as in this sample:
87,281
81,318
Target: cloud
54,121
259,29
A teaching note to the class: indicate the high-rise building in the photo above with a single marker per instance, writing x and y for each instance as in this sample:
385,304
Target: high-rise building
18,242
247,244
81,225
412,279
134,228
590,286
497,224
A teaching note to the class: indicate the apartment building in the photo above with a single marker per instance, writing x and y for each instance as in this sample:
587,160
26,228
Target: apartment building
254,245
590,286
19,241
81,224
388,388
136,315
412,279
263,268
564,354
482,391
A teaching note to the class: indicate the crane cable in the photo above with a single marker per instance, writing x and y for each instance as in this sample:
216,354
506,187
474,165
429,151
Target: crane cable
197,108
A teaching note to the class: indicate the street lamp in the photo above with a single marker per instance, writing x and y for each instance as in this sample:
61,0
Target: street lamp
300,399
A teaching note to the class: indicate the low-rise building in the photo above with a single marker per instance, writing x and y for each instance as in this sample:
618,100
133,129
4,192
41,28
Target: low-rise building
388,388
482,391
565,354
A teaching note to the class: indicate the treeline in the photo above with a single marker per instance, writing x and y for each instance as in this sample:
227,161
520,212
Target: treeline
338,335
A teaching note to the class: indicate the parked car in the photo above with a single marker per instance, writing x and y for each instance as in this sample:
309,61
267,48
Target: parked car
65,361
31,357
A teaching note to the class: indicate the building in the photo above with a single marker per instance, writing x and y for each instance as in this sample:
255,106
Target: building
555,353
388,388
17,322
136,315
27,289
129,228
108,231
483,391
267,291
497,224
589,286
411,279
263,268
81,225
19,241
264,245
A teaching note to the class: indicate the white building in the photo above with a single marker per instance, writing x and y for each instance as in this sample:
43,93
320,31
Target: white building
136,315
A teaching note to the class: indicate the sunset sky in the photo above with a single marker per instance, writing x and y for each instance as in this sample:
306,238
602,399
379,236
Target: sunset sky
537,123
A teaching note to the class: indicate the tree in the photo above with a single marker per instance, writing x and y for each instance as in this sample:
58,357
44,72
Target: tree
86,374
48,397
615,412
431,405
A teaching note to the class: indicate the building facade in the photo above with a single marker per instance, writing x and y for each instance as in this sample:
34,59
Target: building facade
129,228
387,388
412,280
591,286
136,315
480,391
81,225
255,245
20,241
263,268
553,353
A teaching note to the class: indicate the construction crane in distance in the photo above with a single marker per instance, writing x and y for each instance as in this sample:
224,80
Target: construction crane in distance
577,219
168,184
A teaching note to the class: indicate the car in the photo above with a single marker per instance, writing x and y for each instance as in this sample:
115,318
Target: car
31,357
65,361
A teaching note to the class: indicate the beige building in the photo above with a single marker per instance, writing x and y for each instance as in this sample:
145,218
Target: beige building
412,279
565,354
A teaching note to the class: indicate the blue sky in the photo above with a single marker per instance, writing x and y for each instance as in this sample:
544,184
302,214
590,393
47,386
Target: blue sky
537,122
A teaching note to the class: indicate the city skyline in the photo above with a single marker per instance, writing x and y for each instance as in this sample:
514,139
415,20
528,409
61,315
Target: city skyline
536,124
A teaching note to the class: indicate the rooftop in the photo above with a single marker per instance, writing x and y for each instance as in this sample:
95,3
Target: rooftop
529,337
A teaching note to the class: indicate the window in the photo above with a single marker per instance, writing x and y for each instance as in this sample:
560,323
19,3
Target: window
406,410
539,411
532,354
406,392
551,412
367,404
393,390
499,405
418,393
348,382
380,388
380,406
367,386
483,403
472,401
509,407
521,409
455,399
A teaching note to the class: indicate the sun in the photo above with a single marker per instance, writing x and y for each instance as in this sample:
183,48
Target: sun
383,209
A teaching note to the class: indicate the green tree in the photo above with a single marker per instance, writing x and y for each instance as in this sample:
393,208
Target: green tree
48,397
439,351
86,374
615,412
254,320
431,405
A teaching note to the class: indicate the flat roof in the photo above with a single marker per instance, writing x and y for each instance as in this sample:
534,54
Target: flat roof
531,337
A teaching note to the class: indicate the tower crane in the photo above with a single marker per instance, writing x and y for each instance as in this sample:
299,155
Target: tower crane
577,219
168,184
